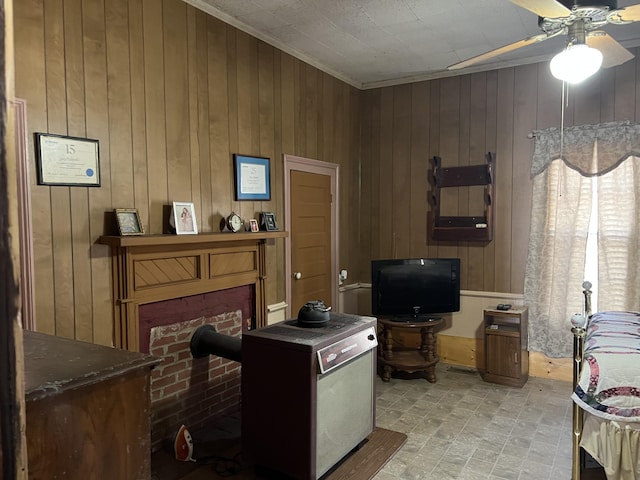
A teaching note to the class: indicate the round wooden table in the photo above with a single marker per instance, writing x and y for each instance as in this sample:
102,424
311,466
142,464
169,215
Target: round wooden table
407,359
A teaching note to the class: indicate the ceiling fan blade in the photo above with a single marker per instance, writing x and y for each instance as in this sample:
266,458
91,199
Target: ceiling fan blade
544,8
613,53
499,51
627,14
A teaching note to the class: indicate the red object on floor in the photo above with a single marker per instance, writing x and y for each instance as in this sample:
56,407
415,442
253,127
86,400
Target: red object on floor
183,445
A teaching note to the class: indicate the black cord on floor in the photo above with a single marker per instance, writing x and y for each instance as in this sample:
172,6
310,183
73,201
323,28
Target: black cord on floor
223,466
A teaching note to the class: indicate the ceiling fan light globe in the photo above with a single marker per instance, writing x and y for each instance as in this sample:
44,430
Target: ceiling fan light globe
576,63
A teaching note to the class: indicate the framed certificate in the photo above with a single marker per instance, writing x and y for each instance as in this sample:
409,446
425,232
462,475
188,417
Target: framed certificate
252,179
68,161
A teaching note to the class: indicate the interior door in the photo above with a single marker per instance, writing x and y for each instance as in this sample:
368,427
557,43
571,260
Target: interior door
310,230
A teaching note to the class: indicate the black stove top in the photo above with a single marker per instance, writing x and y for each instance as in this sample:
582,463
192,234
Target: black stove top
339,324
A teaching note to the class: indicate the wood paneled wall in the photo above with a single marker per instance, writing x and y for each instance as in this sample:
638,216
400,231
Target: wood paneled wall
171,93
460,119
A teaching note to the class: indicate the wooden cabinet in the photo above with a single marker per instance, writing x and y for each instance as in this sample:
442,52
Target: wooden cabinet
505,346
87,408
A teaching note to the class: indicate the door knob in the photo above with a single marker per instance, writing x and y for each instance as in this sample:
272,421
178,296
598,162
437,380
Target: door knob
297,275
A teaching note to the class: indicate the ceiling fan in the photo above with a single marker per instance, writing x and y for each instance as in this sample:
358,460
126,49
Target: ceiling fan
588,47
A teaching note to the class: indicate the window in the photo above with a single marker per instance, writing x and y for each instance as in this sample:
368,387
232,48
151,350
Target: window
584,225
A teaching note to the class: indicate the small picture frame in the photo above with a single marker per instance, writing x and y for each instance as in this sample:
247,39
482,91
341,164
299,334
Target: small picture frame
268,222
252,177
184,218
128,221
67,161
253,225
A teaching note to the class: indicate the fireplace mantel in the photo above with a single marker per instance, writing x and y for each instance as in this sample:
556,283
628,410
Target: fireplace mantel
153,268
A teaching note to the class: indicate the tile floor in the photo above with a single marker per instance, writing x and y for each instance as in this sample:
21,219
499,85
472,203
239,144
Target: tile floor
466,429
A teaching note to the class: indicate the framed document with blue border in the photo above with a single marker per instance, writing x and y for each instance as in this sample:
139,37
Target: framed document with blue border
252,177
70,161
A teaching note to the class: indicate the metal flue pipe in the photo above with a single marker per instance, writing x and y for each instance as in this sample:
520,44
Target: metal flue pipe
206,341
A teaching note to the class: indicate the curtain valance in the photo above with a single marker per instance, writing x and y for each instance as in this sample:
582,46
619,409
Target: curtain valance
589,149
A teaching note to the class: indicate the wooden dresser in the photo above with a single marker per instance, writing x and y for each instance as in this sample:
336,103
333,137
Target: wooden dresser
88,410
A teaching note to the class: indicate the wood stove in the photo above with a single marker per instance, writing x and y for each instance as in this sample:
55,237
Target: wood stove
308,394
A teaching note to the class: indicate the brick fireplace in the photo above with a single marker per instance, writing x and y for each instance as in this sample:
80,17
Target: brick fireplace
165,287
187,390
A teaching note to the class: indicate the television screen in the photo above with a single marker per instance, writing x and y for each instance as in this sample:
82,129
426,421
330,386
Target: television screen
415,287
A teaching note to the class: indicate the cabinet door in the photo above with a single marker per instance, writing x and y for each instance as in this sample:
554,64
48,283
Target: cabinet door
503,355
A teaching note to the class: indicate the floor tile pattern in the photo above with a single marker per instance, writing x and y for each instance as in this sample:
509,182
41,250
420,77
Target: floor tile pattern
462,428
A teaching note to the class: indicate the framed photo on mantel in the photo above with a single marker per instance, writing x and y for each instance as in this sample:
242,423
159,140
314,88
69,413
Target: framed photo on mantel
183,218
129,221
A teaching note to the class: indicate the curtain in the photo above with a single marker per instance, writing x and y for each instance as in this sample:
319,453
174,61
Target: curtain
564,162
557,249
619,238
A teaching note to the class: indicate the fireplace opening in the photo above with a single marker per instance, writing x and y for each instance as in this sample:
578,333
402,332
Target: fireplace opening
187,390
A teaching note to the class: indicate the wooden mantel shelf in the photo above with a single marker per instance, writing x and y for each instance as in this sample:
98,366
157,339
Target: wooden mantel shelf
155,268
169,239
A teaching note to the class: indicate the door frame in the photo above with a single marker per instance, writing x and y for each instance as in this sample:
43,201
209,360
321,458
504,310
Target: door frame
332,170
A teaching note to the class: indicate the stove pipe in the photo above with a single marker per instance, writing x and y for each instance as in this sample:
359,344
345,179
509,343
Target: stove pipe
206,341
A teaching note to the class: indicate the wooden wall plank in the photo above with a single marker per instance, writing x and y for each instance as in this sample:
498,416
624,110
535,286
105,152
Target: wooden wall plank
60,196
119,97
345,185
504,191
329,84
370,178
300,115
586,96
450,152
138,120
247,98
400,221
266,147
386,234
176,101
232,93
351,152
478,116
311,109
607,95
419,168
204,172
491,139
76,126
463,193
220,144
287,95
622,91
434,141
193,110
521,183
248,107
100,199
154,88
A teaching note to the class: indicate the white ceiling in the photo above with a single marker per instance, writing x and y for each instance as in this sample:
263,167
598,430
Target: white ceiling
373,43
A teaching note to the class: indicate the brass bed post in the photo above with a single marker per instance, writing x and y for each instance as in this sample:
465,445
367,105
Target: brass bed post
579,322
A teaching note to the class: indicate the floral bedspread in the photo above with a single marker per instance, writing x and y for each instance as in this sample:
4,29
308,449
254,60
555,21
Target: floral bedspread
609,384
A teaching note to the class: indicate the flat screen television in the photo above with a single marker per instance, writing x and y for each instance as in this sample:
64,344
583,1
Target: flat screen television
417,288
